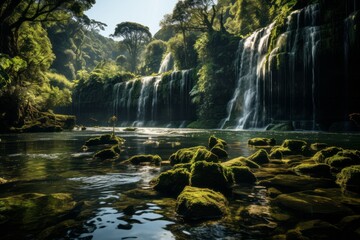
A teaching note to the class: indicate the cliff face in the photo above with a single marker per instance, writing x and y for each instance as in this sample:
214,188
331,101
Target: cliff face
303,69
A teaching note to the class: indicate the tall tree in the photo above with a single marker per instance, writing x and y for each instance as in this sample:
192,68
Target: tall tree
134,37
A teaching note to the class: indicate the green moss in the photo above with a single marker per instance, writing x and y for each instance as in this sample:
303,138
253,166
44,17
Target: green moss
184,155
138,159
203,154
295,146
340,162
213,141
240,161
276,154
172,182
313,170
201,203
242,175
186,166
104,139
209,175
318,146
262,141
321,155
105,154
260,157
349,178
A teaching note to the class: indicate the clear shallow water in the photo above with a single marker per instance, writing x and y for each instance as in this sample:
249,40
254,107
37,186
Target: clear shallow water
55,163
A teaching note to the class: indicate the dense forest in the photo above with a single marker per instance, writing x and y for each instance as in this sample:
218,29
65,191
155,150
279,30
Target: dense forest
53,59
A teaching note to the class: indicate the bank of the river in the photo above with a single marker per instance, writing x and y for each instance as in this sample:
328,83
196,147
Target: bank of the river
52,188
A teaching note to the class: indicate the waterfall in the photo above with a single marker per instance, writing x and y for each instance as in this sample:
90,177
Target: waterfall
167,64
155,100
280,84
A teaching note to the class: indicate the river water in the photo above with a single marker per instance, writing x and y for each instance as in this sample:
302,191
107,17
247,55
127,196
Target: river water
48,163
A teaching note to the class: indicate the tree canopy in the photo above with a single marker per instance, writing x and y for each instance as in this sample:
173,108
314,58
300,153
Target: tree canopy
134,36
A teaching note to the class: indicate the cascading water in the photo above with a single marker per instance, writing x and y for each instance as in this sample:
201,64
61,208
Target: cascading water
281,84
154,100
167,63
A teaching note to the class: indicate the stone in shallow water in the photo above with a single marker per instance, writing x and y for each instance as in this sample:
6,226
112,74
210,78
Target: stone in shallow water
307,204
313,170
314,229
201,203
172,181
262,141
349,178
260,157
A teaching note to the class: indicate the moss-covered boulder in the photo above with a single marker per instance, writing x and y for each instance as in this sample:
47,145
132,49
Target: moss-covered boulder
318,146
313,170
105,154
276,154
349,178
209,175
216,141
262,141
260,157
172,182
201,204
184,155
240,161
219,152
295,146
104,139
321,155
31,209
186,166
144,158
204,155
340,162
242,175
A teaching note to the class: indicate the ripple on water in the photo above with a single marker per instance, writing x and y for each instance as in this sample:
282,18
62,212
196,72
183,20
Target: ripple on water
108,180
112,224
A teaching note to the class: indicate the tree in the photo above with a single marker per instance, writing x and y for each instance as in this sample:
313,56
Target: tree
153,54
134,37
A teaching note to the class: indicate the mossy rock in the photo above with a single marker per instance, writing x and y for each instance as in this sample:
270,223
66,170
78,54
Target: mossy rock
201,204
106,154
216,141
204,155
184,155
353,154
314,229
32,208
242,175
349,178
172,182
260,157
262,141
219,152
321,155
240,161
307,204
104,139
142,158
340,162
318,146
186,166
276,154
209,175
284,151
295,146
313,170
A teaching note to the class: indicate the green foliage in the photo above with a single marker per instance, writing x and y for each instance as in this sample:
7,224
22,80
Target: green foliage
185,58
153,54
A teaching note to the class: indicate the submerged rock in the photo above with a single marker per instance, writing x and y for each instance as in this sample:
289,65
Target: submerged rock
172,182
210,175
313,170
104,139
349,178
307,204
142,158
201,203
262,141
314,229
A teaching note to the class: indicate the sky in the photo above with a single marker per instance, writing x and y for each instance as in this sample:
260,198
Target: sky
146,12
